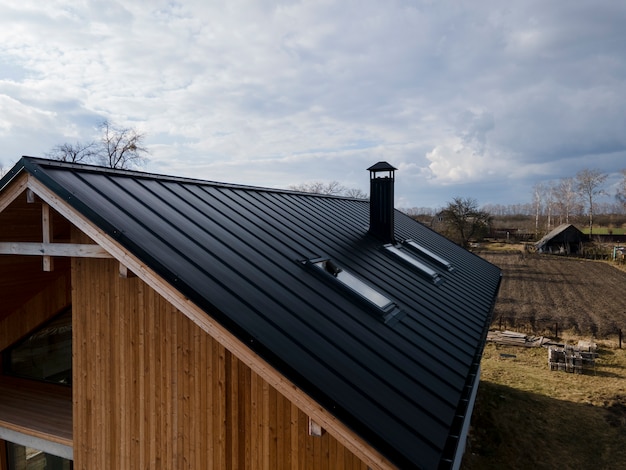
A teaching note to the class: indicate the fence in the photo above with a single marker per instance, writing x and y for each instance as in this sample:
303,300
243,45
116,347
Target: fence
554,327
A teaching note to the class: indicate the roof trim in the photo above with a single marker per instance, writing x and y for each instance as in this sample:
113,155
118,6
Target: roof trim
382,166
13,191
31,164
346,436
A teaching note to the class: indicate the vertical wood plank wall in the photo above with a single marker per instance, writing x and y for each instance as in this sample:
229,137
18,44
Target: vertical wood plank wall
152,390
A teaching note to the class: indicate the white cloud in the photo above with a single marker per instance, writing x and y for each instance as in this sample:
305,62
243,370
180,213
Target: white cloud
278,92
454,161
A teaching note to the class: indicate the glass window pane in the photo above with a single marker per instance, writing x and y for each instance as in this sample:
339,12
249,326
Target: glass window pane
363,289
413,261
46,354
356,284
429,253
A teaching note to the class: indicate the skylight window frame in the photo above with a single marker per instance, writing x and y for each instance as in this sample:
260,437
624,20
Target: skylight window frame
397,251
413,245
388,311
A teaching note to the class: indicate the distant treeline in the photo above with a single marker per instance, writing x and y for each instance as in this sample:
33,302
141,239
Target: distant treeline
524,210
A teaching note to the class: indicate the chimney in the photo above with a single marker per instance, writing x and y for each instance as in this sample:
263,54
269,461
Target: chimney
381,201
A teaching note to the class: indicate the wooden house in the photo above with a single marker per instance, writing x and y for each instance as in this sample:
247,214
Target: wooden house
149,321
565,239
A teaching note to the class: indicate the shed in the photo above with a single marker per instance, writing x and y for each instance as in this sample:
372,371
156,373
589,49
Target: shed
564,239
221,326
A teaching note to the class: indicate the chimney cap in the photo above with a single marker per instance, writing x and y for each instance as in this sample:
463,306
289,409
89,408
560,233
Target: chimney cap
382,166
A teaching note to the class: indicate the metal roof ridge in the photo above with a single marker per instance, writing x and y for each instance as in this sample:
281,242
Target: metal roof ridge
45,162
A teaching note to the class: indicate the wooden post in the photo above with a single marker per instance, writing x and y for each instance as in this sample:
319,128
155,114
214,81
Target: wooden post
556,330
46,223
620,338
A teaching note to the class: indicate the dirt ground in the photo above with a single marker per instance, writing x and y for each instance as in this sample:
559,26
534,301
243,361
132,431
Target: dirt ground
543,293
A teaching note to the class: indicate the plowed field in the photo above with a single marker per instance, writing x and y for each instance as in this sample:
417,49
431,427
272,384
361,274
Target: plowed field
541,293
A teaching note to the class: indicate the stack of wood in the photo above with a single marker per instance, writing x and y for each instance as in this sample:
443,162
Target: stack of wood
513,338
573,359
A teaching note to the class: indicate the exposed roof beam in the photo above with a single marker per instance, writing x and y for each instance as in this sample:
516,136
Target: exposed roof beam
54,249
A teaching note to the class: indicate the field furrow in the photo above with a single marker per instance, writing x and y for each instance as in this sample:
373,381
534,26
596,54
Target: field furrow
541,293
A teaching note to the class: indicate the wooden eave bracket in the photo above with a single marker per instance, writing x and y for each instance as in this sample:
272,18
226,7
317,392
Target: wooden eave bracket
126,273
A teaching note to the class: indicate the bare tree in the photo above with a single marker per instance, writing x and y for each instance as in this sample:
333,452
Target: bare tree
75,153
117,147
621,190
332,188
355,193
464,220
567,197
551,203
122,147
589,185
539,191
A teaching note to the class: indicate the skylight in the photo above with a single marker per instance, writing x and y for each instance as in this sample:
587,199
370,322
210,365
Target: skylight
354,283
430,254
413,261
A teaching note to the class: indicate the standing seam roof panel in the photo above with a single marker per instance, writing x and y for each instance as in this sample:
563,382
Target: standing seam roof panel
389,383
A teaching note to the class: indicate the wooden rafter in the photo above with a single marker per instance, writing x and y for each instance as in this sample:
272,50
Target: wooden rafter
53,249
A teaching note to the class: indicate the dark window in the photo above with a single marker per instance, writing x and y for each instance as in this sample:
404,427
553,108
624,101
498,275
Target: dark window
25,458
46,354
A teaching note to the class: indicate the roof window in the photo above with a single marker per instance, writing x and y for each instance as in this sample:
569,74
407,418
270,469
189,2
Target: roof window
354,283
413,261
387,310
426,252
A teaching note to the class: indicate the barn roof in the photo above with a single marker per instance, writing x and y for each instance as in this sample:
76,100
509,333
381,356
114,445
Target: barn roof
261,262
562,233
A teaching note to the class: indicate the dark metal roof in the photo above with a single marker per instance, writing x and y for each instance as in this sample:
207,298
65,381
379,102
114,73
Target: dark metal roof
564,233
238,253
381,166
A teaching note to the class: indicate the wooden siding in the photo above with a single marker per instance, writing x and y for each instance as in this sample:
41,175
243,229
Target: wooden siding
152,390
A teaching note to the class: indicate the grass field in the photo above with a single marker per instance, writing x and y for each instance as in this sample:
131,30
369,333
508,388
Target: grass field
527,416
604,231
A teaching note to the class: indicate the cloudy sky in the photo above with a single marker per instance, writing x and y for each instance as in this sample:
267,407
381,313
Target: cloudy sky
480,98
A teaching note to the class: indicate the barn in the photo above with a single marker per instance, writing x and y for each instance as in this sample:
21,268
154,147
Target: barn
564,239
151,321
